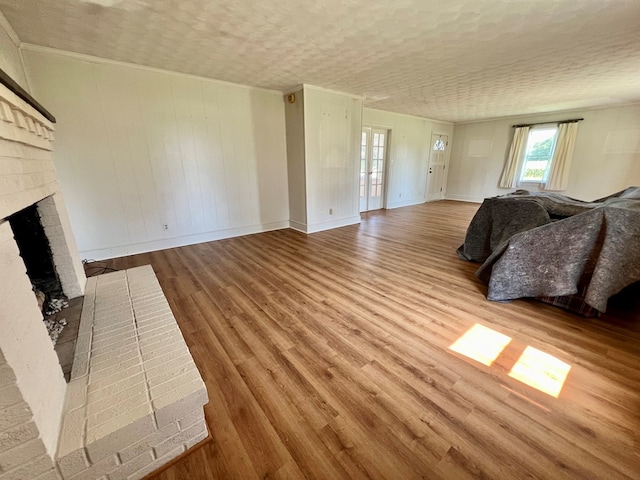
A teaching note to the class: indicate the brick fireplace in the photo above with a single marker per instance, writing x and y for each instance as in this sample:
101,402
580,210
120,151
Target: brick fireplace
135,398
32,387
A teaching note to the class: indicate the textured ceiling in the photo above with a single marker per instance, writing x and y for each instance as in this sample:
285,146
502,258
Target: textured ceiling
456,60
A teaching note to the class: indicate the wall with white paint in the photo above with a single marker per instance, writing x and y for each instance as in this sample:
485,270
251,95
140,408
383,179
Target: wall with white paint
606,157
409,153
149,159
332,129
294,113
10,60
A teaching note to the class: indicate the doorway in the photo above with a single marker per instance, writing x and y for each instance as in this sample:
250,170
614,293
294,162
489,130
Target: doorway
373,159
437,165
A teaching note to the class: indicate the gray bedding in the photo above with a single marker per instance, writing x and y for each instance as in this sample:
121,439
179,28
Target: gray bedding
546,244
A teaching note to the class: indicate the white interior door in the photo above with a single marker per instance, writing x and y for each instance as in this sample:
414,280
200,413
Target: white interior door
437,165
373,155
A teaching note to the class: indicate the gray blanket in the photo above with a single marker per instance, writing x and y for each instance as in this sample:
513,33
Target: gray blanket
550,245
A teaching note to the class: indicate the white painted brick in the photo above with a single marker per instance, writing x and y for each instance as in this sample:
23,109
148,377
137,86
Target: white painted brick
71,433
147,443
73,463
114,388
6,375
90,286
150,298
21,454
164,331
111,323
156,464
195,440
10,395
80,365
98,469
114,416
158,322
108,362
105,403
100,446
173,346
50,475
109,353
14,415
83,342
113,374
172,406
115,340
173,364
194,431
108,334
32,469
168,357
164,384
137,463
189,419
160,342
14,436
115,304
76,393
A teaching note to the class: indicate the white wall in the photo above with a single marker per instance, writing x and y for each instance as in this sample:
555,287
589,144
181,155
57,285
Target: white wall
606,157
332,129
137,149
409,155
10,60
294,113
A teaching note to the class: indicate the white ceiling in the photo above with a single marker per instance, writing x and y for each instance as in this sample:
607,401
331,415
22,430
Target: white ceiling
455,60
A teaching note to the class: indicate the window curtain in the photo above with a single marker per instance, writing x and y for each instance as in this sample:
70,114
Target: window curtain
562,157
514,160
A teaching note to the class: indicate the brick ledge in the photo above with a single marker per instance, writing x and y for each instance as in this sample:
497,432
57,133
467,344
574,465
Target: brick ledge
135,397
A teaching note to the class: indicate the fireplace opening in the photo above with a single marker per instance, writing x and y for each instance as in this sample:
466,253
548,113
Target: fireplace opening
61,316
36,253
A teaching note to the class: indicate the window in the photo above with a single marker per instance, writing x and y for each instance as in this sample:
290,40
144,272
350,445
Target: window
540,146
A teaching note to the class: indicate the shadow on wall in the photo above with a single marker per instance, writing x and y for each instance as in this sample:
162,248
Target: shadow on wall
269,155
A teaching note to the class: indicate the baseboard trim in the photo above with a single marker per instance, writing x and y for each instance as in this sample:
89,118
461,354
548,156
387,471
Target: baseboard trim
162,244
408,203
464,198
297,226
341,222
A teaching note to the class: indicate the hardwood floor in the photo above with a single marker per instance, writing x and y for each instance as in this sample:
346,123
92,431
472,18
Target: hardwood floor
327,357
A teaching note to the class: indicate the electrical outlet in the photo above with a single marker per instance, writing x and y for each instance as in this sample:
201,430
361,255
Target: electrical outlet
165,226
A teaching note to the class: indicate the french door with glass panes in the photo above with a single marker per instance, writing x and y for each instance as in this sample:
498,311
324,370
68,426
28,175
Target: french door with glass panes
373,154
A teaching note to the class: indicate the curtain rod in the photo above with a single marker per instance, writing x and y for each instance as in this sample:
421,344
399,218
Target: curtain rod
572,120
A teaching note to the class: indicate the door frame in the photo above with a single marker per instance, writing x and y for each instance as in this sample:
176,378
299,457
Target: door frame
447,155
388,161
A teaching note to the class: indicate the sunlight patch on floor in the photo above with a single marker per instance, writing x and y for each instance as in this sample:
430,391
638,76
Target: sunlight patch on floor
482,344
541,371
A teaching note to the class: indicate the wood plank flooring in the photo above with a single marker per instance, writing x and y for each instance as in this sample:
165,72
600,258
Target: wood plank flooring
327,357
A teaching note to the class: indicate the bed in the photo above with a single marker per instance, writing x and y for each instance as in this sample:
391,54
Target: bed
564,251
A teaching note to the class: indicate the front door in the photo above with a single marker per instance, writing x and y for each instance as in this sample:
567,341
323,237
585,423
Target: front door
373,153
437,164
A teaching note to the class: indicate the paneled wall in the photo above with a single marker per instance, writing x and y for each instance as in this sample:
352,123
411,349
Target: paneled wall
409,153
150,159
606,157
332,129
